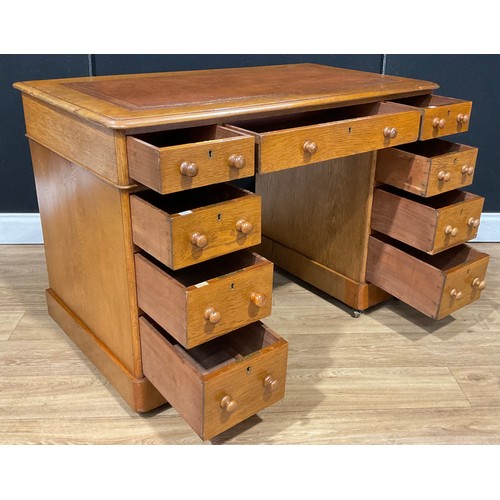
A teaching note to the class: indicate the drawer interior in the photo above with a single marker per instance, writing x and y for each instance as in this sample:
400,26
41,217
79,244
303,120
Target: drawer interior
272,124
212,269
234,346
193,198
177,137
436,202
434,147
429,101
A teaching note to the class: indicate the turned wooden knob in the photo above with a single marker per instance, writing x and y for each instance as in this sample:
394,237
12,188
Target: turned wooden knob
462,118
271,383
389,132
236,161
451,230
189,169
438,123
473,222
259,299
444,176
481,285
212,315
310,147
199,240
456,293
243,226
228,403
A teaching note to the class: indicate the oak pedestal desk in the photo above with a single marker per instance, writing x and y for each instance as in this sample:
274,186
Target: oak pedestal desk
151,246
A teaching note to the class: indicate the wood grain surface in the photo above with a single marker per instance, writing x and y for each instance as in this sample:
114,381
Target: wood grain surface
213,212
180,308
82,215
333,136
418,167
159,167
331,229
422,222
443,375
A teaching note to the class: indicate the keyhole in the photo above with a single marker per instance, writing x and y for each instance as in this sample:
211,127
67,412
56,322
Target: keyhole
350,129
219,217
232,286
210,153
449,111
249,370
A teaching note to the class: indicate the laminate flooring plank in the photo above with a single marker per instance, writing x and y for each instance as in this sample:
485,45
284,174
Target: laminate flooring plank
8,323
481,384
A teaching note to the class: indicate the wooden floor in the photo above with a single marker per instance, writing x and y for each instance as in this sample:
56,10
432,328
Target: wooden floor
390,376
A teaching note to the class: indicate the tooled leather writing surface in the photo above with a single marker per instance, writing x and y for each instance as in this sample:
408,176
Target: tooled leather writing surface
123,101
239,84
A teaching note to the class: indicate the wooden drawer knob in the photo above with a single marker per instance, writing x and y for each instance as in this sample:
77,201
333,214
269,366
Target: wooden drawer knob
236,161
228,403
438,123
271,383
243,226
390,132
189,169
456,293
212,315
199,240
444,176
473,222
470,170
462,118
481,285
451,230
310,147
259,299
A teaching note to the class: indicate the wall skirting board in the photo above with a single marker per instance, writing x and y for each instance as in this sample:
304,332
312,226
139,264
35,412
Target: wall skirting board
26,229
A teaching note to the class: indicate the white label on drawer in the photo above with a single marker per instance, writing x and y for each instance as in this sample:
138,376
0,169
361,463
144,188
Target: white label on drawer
186,212
203,283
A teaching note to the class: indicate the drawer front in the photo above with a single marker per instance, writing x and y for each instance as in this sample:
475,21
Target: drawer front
463,286
447,117
425,282
245,383
192,236
440,115
186,166
216,387
425,175
433,226
458,223
294,147
196,314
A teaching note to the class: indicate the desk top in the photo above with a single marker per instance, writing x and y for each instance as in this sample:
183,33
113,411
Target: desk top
152,99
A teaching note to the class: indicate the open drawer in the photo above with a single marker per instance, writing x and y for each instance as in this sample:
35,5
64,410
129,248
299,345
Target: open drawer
296,140
440,115
204,301
427,168
182,229
175,160
429,224
220,383
436,285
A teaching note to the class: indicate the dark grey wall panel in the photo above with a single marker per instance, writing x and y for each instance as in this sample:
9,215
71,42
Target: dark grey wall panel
473,77
122,63
17,185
